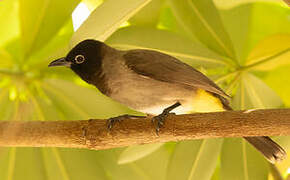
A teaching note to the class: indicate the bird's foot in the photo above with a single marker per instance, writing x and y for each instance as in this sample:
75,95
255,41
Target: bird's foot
158,121
112,121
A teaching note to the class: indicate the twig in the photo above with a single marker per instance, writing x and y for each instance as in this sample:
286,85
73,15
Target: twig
93,134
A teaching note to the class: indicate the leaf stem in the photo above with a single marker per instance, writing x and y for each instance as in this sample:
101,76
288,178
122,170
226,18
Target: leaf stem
246,174
9,72
193,169
233,83
265,60
11,163
210,29
224,77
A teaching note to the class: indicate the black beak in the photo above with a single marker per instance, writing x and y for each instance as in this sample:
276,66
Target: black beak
60,62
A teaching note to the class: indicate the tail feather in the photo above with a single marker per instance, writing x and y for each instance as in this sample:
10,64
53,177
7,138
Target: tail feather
271,150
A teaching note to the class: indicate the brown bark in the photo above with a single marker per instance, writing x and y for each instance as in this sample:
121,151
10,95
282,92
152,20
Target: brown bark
93,134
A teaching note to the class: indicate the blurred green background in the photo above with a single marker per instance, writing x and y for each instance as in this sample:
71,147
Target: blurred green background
243,45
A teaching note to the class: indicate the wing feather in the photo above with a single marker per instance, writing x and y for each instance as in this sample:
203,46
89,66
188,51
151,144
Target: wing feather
163,67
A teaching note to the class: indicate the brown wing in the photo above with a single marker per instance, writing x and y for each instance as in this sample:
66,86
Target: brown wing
166,68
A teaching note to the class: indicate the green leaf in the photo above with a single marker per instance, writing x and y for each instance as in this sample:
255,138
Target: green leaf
6,161
28,157
167,42
149,15
134,153
168,21
92,4
55,164
235,20
240,161
73,164
232,4
270,53
252,16
194,159
13,47
254,93
201,19
106,18
155,165
55,48
278,22
9,20
6,59
41,20
6,106
216,174
278,79
109,158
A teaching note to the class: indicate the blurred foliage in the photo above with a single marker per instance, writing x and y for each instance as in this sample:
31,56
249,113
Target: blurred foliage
242,45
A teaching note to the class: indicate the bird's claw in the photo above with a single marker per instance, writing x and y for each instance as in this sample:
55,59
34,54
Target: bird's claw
159,120
112,121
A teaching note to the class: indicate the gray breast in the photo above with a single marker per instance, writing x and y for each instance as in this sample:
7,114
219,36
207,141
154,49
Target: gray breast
139,92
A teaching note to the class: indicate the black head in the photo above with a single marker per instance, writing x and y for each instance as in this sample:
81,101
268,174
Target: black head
84,59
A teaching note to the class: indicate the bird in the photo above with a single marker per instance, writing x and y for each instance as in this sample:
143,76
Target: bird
154,83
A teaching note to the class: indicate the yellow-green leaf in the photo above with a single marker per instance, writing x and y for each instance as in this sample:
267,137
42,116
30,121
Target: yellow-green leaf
6,105
6,60
202,19
254,93
167,42
107,18
73,164
9,21
240,161
277,22
155,165
108,160
149,15
235,20
92,4
133,153
272,52
194,159
279,80
246,25
231,4
41,20
25,156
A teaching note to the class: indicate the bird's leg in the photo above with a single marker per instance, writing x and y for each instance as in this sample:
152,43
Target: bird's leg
112,121
158,121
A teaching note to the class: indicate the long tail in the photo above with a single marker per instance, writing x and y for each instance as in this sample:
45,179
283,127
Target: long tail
271,150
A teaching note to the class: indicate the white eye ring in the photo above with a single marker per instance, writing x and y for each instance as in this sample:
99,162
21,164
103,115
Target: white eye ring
79,59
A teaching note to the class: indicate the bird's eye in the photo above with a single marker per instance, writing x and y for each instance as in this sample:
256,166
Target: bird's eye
79,59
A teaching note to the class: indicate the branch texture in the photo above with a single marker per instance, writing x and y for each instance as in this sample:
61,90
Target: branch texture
93,134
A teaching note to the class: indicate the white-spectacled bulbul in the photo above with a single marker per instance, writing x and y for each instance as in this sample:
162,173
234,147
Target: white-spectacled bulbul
153,83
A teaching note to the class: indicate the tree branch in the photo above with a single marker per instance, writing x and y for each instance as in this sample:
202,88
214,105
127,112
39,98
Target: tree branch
93,134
